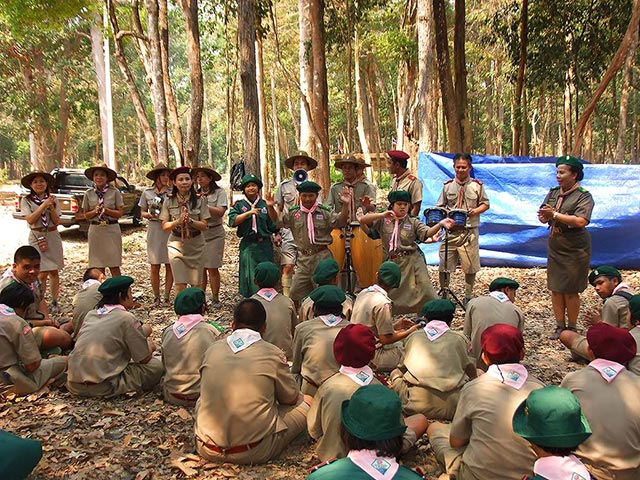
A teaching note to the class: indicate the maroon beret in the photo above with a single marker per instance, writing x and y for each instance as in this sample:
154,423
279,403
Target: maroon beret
398,154
177,171
502,343
354,346
611,343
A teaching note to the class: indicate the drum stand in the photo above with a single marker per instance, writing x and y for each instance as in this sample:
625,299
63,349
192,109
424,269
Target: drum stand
348,269
445,291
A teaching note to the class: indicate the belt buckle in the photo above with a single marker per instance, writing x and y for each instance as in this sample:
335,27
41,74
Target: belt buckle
102,222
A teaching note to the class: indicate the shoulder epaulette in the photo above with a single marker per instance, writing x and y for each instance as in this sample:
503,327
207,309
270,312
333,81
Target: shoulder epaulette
294,208
411,177
323,464
583,190
324,207
555,188
448,181
477,181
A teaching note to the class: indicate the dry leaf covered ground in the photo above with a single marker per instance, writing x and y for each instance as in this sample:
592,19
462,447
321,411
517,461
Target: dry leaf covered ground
141,437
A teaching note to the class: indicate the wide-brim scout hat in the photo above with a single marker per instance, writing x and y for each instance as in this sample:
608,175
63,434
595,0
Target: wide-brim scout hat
157,170
250,178
111,174
301,154
551,417
606,271
358,161
215,176
611,343
27,179
177,171
503,282
189,301
373,413
354,346
115,284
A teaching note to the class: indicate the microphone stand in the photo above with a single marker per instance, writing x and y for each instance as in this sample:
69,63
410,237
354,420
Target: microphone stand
445,291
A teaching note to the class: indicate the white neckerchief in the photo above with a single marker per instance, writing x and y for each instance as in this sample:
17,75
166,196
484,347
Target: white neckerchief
108,308
242,339
435,329
185,323
500,296
513,375
362,376
378,468
561,468
330,320
5,310
608,369
267,293
90,282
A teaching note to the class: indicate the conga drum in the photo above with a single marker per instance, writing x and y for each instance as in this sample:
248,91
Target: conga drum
367,256
459,215
337,246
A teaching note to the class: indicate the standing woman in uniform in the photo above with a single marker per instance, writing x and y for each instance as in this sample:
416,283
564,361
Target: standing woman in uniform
150,203
42,213
102,206
216,200
185,215
567,209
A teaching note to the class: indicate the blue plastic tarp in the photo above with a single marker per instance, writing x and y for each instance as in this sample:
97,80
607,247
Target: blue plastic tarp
510,233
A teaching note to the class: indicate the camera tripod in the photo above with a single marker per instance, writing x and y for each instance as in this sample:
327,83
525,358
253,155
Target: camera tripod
348,269
445,291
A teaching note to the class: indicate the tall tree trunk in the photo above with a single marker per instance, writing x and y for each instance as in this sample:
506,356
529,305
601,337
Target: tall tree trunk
305,59
373,96
518,120
427,117
350,62
624,99
276,130
490,128
207,124
407,72
460,67
362,107
262,109
569,97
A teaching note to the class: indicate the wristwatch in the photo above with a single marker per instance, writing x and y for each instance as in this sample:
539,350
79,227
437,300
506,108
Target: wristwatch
555,215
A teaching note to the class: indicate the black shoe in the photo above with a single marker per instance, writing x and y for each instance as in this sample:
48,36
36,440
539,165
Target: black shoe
556,334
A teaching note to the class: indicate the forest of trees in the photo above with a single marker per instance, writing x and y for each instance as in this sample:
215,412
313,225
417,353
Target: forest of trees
137,82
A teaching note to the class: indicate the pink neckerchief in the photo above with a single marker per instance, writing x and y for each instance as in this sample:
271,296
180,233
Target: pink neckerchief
561,468
267,293
621,286
90,282
242,339
254,219
606,368
435,329
378,468
500,296
5,310
362,376
185,323
108,308
513,375
376,288
34,286
393,242
310,228
330,320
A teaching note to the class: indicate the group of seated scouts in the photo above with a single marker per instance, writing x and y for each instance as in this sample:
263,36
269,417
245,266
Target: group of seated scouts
277,375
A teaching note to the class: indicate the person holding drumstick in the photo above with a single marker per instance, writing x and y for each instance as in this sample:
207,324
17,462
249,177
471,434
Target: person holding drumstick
465,193
567,209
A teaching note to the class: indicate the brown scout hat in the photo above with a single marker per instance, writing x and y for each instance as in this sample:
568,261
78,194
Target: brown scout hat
357,160
301,154
27,179
157,170
208,170
111,174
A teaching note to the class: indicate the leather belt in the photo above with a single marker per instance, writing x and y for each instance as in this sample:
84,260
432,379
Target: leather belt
178,232
405,253
50,229
231,450
311,382
184,398
311,251
103,222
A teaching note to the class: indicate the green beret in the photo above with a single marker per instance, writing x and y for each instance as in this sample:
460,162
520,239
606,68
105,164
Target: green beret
266,274
250,178
399,196
571,161
326,271
189,301
604,270
389,273
115,284
435,309
328,296
308,187
502,282
634,308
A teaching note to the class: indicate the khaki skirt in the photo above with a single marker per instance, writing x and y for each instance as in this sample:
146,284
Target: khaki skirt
157,243
105,246
53,258
415,285
186,259
568,258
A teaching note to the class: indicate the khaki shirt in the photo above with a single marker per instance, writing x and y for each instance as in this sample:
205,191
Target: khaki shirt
182,357
410,231
473,196
17,343
83,302
287,194
409,182
313,355
281,320
373,309
105,346
615,309
171,210
324,418
31,312
217,198
324,220
483,417
634,364
483,312
240,394
613,412
362,188
150,200
112,200
579,203
305,312
439,364
28,206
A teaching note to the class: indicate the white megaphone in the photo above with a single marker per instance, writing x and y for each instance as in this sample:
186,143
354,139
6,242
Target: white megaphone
300,176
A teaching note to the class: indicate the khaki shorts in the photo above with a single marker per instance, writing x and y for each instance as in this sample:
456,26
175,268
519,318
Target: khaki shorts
580,347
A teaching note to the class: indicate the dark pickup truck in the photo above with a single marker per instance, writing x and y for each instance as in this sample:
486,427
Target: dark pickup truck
70,185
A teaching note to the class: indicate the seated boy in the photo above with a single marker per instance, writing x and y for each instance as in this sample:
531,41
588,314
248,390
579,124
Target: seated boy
87,298
326,273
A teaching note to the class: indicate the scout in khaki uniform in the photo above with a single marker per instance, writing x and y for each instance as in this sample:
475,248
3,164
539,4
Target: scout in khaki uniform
255,229
21,366
608,394
400,235
373,431
48,332
435,365
463,192
281,312
497,307
373,309
250,409
634,329
326,273
363,198
403,179
551,420
480,443
311,224
119,338
615,294
87,298
287,197
313,340
184,345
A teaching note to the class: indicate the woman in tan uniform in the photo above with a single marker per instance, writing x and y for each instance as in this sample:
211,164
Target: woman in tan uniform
150,203
42,213
216,200
185,215
102,206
